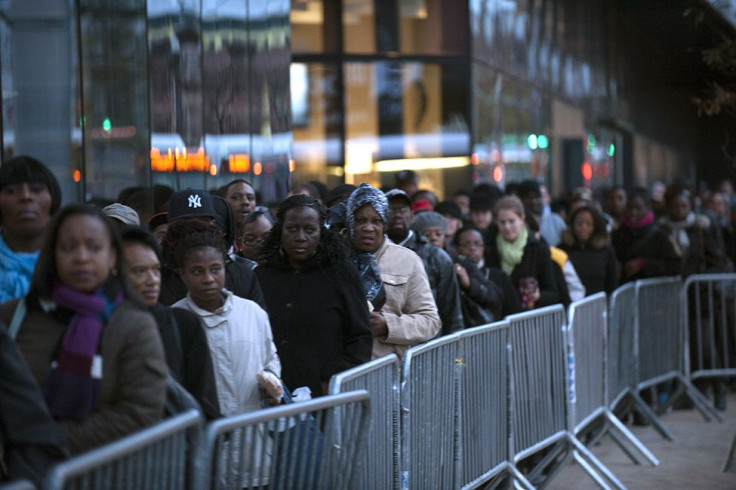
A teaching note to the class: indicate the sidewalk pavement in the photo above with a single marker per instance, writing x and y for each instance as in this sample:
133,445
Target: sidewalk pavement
694,458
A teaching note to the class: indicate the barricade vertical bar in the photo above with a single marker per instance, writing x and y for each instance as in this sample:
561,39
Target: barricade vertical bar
318,452
587,327
379,465
712,341
541,382
429,405
485,437
662,308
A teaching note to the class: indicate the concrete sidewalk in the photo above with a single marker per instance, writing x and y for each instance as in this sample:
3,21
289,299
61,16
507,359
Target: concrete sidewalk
693,460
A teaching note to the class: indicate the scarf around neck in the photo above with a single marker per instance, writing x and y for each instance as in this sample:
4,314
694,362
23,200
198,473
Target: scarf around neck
679,229
511,253
73,386
17,269
647,220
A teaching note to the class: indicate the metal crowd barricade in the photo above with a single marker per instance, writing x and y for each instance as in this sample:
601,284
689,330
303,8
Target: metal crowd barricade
587,352
312,444
623,357
540,382
709,302
380,464
429,399
662,341
485,436
159,457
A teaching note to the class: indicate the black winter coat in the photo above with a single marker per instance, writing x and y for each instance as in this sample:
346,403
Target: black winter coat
536,262
188,355
320,322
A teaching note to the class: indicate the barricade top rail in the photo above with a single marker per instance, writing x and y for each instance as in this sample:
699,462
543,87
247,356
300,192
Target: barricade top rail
536,312
482,329
339,379
428,346
582,302
130,444
722,276
283,411
653,281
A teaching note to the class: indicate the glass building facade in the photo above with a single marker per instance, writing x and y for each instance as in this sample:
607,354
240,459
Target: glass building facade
113,94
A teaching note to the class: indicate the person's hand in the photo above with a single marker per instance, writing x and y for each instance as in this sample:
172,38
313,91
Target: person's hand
270,387
529,289
462,276
378,324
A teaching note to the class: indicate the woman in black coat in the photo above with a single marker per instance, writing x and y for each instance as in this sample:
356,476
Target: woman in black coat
526,259
315,298
642,248
588,246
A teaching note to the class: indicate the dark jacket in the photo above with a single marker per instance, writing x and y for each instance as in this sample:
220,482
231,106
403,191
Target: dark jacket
188,355
442,281
705,250
483,301
536,262
134,370
320,322
595,262
30,439
650,246
239,278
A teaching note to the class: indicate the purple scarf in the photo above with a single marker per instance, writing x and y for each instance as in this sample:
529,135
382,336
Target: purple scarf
73,385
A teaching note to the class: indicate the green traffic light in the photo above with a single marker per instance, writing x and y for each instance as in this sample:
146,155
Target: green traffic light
106,124
542,141
532,141
611,150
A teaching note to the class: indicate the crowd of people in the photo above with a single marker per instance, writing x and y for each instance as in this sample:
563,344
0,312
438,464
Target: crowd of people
239,302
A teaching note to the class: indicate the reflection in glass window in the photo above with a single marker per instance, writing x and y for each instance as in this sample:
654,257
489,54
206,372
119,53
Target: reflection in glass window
359,26
405,115
433,26
316,123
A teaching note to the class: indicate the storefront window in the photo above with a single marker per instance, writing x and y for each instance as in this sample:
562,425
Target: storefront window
316,123
433,26
405,116
40,88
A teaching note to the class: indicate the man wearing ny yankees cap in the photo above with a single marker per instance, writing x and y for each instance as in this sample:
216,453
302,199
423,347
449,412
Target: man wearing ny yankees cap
198,205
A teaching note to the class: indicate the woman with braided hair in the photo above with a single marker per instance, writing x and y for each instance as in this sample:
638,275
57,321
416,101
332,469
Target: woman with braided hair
314,296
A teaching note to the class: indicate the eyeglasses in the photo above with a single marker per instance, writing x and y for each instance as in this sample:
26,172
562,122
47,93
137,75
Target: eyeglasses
251,240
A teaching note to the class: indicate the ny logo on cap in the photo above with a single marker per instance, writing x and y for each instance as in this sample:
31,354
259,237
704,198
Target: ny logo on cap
195,201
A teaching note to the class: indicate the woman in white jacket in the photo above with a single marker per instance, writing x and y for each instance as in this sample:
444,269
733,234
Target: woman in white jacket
239,336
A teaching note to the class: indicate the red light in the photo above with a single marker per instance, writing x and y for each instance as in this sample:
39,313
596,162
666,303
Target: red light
258,168
77,176
587,170
497,174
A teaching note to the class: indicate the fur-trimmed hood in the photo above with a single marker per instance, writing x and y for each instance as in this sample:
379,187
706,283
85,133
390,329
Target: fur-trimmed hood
597,241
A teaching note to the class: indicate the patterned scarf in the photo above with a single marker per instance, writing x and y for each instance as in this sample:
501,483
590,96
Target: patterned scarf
17,269
511,253
73,385
365,194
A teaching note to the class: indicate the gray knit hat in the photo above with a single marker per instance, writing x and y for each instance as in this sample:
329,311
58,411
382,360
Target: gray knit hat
366,194
427,219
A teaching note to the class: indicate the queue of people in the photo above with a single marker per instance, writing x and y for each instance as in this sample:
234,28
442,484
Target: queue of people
239,302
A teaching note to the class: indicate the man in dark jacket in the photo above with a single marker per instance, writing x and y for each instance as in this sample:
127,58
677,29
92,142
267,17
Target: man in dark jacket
437,263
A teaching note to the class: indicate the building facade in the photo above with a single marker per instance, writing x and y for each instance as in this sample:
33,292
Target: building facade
113,94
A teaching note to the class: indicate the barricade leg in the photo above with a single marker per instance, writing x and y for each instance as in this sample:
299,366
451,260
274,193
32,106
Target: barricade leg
631,438
731,458
620,443
649,414
582,452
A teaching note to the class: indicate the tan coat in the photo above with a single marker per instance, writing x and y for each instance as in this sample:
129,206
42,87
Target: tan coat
134,372
410,311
